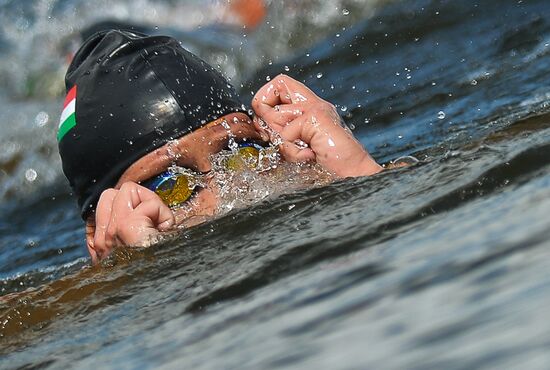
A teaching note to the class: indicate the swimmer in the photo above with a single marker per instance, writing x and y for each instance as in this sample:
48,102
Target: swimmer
142,118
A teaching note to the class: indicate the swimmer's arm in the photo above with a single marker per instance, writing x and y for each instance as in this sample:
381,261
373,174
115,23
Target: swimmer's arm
292,112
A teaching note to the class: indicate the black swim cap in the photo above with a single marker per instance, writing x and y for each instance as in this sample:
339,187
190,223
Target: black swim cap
128,94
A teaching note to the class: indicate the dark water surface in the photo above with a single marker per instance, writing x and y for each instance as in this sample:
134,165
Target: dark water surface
441,265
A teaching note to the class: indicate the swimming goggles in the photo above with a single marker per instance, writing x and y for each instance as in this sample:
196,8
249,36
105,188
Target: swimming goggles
175,187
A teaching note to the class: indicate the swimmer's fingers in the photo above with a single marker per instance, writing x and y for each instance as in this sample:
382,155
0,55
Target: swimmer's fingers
124,202
282,90
297,131
296,92
269,95
102,219
150,210
293,153
90,233
280,115
148,218
137,212
157,214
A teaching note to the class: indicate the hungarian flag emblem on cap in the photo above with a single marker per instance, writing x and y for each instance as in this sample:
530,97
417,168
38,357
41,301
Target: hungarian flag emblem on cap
68,116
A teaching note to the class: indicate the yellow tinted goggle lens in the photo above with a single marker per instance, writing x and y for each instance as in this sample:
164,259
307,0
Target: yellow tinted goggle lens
246,157
175,190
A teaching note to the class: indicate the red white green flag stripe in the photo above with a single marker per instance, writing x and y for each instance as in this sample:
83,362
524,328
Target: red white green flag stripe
68,116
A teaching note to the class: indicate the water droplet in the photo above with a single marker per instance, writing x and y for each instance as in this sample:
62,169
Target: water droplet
41,119
267,78
441,115
287,68
474,82
352,126
343,108
319,75
31,175
345,11
301,144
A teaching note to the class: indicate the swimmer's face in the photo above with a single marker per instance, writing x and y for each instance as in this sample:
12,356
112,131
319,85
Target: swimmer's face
193,152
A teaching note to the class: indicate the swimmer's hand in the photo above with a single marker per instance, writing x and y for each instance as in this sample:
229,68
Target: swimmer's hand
296,114
129,216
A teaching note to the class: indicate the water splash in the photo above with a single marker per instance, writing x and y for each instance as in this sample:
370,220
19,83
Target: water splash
275,137
241,187
172,151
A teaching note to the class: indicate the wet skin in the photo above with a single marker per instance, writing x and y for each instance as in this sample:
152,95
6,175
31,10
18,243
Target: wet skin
286,112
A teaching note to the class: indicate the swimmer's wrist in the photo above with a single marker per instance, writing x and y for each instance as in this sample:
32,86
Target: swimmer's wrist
366,167
371,167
